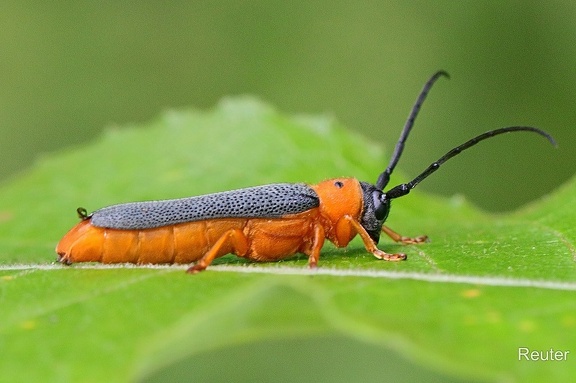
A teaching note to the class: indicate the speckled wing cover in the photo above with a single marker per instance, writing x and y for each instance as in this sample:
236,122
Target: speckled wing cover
267,201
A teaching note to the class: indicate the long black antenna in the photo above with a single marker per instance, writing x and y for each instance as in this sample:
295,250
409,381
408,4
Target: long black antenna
403,189
384,178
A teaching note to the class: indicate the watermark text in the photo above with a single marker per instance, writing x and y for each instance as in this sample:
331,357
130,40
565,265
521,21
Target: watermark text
524,353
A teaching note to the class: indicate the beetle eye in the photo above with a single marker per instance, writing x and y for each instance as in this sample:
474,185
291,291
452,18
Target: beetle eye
381,205
339,184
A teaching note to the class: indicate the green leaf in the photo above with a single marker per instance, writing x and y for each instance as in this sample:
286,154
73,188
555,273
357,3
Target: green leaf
458,309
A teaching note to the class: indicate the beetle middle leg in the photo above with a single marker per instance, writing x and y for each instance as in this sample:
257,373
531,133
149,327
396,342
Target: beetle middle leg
234,238
396,237
317,243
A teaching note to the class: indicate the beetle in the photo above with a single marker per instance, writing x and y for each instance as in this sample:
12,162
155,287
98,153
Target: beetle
262,223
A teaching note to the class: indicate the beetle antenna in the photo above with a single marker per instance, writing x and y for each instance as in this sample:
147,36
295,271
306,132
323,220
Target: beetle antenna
384,178
403,189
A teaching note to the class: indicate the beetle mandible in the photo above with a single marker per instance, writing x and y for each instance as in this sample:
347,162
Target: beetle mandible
263,223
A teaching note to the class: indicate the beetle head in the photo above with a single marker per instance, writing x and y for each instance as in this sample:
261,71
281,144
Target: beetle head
375,210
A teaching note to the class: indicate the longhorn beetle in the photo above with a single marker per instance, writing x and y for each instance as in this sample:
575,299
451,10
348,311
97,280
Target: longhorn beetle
263,223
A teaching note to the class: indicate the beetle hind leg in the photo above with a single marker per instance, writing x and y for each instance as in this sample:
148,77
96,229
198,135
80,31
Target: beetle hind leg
396,237
233,240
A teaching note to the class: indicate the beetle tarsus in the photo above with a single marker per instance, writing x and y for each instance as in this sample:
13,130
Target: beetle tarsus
196,269
389,257
64,259
413,240
396,237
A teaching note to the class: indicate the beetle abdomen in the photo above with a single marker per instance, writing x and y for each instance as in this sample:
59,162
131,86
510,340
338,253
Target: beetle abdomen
266,239
268,201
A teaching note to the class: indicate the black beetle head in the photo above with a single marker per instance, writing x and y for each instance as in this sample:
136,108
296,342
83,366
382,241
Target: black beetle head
375,210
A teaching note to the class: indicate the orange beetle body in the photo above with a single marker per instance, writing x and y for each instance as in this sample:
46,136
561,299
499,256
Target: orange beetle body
257,239
263,223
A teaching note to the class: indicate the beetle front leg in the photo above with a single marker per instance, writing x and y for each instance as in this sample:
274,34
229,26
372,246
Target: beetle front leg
403,240
370,245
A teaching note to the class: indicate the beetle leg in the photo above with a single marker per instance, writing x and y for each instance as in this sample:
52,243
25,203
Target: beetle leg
234,238
370,245
404,240
318,242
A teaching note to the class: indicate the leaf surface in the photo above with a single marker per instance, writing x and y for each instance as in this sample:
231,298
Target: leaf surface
458,309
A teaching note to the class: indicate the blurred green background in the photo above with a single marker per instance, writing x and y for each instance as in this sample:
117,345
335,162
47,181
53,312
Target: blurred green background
69,69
